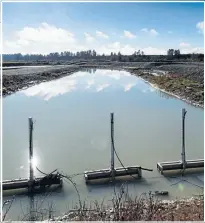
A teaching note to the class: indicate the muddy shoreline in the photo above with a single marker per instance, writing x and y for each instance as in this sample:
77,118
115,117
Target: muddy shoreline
193,95
191,209
188,87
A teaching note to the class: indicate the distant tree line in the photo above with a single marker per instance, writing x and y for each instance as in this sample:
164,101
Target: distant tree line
172,52
92,54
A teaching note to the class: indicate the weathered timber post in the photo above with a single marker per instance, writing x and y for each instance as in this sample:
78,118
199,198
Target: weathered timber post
183,139
112,146
31,175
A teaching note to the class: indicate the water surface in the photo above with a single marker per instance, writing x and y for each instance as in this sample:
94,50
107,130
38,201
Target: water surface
72,133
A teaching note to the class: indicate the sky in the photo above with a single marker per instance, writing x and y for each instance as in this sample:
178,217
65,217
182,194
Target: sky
105,27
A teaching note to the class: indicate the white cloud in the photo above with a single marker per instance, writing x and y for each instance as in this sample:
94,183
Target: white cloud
116,47
151,32
198,50
49,38
200,27
154,51
192,50
145,30
128,49
88,37
11,45
45,33
101,34
43,39
23,42
129,35
183,44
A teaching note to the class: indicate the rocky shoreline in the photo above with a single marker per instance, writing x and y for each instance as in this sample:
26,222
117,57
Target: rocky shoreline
188,87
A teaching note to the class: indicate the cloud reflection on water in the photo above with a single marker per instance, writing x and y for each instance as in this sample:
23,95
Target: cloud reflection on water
149,89
90,83
129,86
50,89
86,81
102,87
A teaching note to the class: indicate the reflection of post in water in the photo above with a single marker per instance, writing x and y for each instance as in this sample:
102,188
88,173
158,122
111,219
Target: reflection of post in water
31,207
162,94
183,139
31,175
112,166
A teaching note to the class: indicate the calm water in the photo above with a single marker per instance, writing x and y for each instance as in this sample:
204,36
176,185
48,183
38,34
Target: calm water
72,133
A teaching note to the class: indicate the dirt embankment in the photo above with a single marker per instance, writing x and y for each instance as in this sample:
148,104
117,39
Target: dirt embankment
14,81
185,80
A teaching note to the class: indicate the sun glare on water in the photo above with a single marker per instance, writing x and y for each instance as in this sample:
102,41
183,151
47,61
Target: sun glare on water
34,162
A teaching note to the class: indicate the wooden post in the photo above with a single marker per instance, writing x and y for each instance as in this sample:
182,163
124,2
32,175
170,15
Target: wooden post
183,138
31,176
112,145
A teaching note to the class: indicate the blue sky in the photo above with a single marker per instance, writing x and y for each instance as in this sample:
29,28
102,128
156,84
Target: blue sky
105,27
